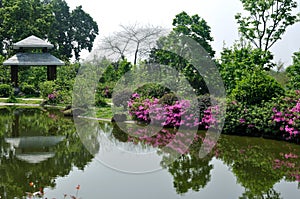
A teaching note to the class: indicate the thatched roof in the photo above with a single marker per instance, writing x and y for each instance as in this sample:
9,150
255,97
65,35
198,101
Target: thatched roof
33,59
32,42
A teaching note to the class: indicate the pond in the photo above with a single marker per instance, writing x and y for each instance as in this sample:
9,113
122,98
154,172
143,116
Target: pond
41,150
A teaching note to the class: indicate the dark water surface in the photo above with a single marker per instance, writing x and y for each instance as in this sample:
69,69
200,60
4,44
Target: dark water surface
40,149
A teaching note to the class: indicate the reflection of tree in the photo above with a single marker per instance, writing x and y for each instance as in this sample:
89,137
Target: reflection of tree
252,160
270,194
190,172
16,174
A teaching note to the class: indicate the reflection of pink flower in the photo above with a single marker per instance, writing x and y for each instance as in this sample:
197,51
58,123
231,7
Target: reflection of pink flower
290,155
52,116
251,126
242,120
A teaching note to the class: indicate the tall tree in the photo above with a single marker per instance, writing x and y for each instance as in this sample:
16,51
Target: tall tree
192,27
21,19
60,34
267,21
196,28
84,31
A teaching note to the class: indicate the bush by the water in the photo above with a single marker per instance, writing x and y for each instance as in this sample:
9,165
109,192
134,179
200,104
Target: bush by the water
256,87
28,89
5,90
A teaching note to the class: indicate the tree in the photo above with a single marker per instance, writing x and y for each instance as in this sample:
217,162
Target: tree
239,60
267,21
192,27
133,40
60,34
84,31
70,32
20,19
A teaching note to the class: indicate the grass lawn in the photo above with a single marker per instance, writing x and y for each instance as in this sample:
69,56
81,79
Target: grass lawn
104,112
22,101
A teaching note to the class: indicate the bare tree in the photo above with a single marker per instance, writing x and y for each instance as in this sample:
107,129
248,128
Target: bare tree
131,41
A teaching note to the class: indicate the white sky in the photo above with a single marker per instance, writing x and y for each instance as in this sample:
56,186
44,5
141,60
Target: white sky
219,14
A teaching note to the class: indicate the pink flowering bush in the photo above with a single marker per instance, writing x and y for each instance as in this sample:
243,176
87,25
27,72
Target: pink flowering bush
279,118
286,117
174,115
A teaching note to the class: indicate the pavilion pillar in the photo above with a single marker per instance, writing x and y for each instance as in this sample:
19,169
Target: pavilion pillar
51,73
14,75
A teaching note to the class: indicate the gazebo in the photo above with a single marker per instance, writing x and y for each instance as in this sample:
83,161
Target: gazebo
26,56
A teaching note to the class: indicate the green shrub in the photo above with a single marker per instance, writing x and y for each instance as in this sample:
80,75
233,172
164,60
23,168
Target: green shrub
28,89
255,87
47,88
5,90
169,99
152,90
100,101
106,89
242,119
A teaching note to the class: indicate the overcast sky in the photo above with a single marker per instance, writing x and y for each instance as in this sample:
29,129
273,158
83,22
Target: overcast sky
219,14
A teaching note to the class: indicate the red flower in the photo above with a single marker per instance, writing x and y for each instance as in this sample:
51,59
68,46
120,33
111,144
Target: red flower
78,187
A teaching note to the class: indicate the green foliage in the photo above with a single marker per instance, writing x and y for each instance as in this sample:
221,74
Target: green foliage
106,89
280,76
84,31
293,72
4,71
60,36
240,60
28,89
32,75
115,70
169,99
251,120
100,101
267,21
47,88
256,87
152,90
35,17
192,27
52,20
110,74
5,90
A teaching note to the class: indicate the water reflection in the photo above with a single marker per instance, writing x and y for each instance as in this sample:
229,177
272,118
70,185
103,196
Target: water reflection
36,145
258,164
42,146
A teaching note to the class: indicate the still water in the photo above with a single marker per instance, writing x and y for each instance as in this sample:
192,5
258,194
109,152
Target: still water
41,150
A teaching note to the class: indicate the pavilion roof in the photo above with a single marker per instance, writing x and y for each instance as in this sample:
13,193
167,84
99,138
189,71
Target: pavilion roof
33,59
32,42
